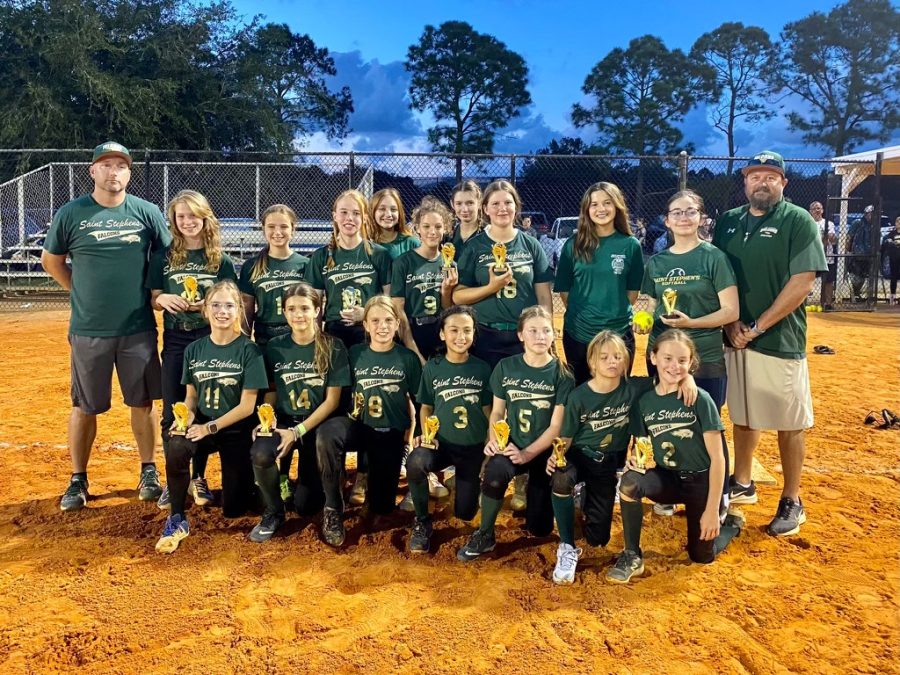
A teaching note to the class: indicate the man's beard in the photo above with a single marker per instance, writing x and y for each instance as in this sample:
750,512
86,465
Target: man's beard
762,199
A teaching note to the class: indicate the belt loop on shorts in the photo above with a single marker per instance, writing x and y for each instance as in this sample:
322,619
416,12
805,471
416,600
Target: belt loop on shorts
425,320
502,326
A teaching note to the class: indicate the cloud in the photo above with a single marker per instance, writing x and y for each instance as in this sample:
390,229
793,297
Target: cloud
525,134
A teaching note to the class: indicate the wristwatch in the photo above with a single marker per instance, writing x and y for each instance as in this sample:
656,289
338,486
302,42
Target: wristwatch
756,329
212,427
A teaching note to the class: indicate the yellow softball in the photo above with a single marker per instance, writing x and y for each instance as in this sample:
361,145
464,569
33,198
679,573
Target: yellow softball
643,320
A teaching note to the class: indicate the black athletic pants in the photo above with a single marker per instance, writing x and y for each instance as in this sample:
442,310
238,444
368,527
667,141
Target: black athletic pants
499,471
600,490
491,345
466,458
309,496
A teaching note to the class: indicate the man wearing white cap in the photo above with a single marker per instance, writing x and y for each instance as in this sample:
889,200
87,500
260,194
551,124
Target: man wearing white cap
775,250
109,236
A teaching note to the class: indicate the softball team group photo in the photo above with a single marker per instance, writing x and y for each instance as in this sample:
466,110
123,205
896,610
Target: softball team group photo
427,346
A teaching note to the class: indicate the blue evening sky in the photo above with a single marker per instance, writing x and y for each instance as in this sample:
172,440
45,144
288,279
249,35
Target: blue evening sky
560,41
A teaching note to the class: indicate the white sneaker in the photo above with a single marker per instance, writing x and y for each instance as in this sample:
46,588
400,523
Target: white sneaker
667,510
450,477
435,488
407,503
358,493
566,562
520,485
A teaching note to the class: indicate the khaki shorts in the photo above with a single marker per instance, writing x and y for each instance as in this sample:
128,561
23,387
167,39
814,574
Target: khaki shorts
135,360
766,392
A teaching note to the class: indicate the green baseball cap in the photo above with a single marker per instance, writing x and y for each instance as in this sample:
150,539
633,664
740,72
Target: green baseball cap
765,160
111,148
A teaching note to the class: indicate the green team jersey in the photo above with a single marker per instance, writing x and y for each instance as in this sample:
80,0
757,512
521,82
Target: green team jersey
162,276
697,276
600,423
529,265
765,254
459,243
299,387
268,290
220,373
598,289
418,281
458,393
677,429
355,276
385,379
400,245
110,250
531,395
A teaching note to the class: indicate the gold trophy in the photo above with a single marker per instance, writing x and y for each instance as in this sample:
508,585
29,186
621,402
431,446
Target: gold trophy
499,251
266,414
429,431
350,298
559,453
191,293
643,453
669,296
501,431
448,252
180,410
358,401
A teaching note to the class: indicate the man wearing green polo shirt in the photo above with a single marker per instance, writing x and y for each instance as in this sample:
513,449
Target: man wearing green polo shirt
775,250
109,236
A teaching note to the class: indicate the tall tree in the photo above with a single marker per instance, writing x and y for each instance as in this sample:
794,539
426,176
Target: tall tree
740,56
470,82
287,72
845,67
639,94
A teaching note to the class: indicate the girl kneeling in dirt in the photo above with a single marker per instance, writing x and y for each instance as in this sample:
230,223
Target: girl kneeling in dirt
222,373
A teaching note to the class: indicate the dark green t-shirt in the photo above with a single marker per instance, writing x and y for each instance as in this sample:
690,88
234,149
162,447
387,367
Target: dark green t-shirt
598,290
460,243
529,265
531,395
418,281
355,276
677,430
400,245
220,374
697,276
458,393
268,290
385,379
110,250
764,256
600,423
299,387
168,279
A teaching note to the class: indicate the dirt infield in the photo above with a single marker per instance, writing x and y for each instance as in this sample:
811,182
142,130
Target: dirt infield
87,591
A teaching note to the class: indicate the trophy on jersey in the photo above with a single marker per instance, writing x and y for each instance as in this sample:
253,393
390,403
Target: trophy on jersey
669,297
191,289
181,413
267,421
501,431
499,252
559,453
448,253
429,431
643,453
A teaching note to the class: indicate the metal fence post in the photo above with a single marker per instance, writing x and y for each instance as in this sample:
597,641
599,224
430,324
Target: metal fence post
71,182
165,184
257,193
682,170
147,174
512,169
20,205
351,171
875,236
51,189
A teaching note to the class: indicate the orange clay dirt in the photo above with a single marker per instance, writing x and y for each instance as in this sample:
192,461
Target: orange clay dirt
87,591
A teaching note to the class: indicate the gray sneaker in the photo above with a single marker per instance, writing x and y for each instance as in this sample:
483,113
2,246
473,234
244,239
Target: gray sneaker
789,518
629,564
76,495
149,489
267,527
566,562
164,502
740,494
420,537
667,510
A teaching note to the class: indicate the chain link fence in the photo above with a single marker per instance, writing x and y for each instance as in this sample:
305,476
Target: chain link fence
34,184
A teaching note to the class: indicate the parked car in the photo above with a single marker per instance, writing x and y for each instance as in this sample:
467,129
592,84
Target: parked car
553,241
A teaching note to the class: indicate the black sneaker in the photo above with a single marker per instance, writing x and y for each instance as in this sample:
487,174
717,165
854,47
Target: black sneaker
76,495
629,564
479,542
267,527
332,527
149,489
420,538
738,494
789,518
